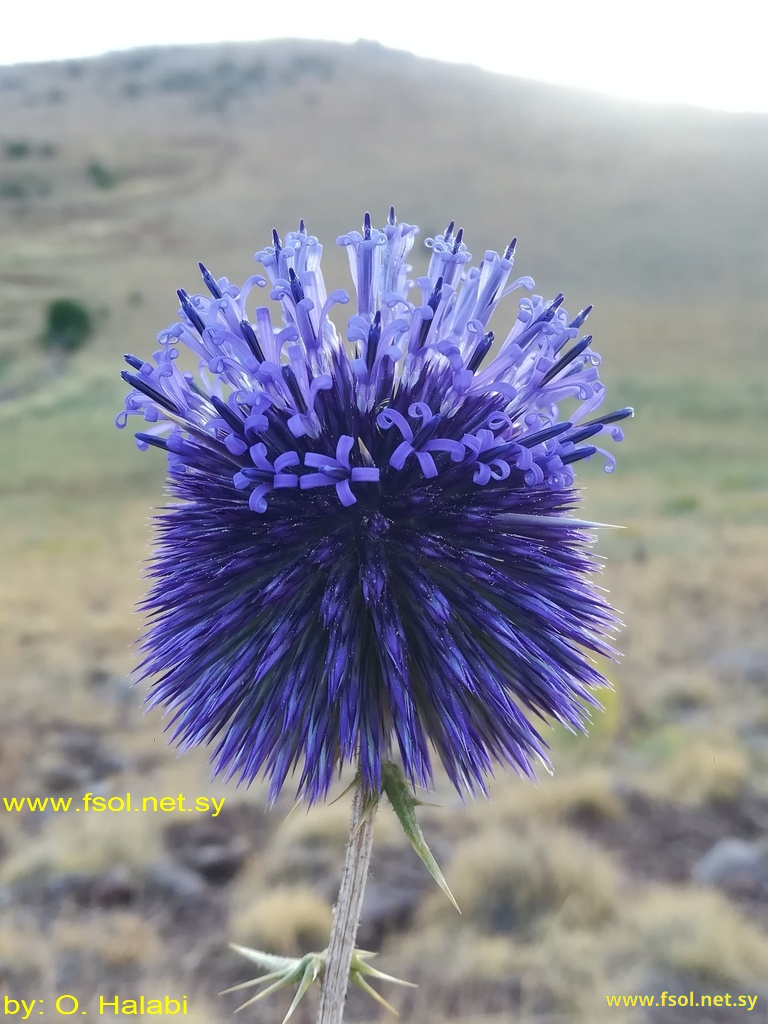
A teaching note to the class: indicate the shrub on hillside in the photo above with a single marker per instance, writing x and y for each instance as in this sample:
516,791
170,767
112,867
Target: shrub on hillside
68,326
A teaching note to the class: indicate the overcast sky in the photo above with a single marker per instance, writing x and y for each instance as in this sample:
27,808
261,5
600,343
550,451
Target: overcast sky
708,53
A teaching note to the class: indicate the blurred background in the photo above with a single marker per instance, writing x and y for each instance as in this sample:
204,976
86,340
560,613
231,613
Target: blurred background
641,866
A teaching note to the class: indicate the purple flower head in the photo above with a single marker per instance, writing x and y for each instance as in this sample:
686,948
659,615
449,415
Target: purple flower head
370,548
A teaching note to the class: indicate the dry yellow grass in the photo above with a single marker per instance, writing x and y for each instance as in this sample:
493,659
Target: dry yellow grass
590,793
86,844
703,772
567,970
116,939
287,921
699,933
511,880
20,945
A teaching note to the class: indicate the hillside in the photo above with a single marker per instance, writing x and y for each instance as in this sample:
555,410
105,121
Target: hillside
209,147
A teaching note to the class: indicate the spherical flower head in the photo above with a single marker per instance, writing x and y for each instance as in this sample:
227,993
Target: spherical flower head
370,551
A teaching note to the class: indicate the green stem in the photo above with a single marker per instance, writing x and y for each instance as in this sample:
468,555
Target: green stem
346,913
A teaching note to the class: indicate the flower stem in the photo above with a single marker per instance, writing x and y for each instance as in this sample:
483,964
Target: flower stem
346,913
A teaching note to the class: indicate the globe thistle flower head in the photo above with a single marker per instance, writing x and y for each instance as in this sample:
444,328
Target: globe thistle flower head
370,551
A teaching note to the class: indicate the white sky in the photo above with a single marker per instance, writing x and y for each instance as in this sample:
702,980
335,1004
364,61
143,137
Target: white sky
707,52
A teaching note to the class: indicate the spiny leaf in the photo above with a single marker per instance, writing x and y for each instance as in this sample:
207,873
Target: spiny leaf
294,808
356,979
305,970
311,972
286,971
371,801
253,981
381,976
360,966
282,983
355,782
268,961
370,805
404,804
